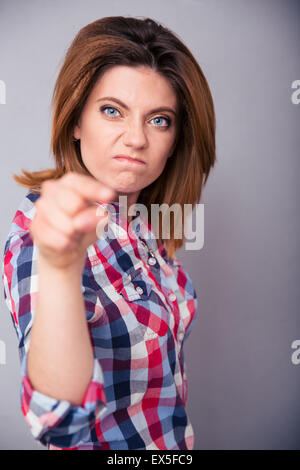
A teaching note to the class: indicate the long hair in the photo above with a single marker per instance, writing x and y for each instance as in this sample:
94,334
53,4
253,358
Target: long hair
119,40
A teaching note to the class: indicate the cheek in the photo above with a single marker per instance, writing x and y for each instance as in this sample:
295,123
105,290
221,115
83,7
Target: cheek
96,141
162,153
156,168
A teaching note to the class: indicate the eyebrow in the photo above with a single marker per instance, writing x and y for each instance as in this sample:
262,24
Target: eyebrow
120,103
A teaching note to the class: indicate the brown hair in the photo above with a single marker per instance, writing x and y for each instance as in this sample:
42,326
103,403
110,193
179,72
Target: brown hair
119,40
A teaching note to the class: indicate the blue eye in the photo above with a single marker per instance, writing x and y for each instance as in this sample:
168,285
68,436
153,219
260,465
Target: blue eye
168,121
103,108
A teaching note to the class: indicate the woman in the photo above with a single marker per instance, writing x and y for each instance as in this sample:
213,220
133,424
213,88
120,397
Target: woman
102,309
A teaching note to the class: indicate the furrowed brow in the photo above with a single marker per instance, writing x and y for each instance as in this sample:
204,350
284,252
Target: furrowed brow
120,103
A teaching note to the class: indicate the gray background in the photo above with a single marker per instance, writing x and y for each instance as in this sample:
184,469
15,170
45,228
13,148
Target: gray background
243,387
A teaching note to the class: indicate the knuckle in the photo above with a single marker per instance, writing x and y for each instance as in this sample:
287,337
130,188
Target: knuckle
68,229
62,243
31,226
40,206
46,186
75,204
70,177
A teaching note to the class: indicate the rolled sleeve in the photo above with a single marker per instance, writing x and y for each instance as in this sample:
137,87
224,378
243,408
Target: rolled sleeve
58,422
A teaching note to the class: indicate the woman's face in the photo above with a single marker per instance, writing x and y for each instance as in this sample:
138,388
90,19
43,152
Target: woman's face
126,114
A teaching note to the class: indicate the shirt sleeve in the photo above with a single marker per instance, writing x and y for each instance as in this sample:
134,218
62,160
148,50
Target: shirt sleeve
192,316
51,421
182,361
189,293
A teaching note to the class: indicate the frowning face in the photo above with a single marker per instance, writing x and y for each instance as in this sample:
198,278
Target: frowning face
130,111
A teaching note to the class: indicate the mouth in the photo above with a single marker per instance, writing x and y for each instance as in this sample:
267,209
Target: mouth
128,159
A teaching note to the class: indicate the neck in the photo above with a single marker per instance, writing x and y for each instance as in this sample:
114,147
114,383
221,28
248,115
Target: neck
130,201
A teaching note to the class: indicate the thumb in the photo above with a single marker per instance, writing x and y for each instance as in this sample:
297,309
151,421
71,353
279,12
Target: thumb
90,224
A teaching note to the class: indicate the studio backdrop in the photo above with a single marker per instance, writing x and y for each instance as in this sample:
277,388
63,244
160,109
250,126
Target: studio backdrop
243,355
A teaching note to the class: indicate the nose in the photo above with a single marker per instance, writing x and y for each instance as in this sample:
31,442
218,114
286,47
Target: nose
134,134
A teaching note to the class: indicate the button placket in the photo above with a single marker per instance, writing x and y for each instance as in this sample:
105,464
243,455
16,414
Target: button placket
135,286
172,297
150,258
139,290
152,261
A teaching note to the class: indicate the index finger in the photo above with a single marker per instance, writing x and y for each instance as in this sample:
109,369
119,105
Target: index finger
88,187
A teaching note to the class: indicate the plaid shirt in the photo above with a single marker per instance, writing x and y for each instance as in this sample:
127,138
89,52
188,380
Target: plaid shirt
140,308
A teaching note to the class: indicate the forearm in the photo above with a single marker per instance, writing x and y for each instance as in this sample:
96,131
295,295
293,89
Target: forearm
60,357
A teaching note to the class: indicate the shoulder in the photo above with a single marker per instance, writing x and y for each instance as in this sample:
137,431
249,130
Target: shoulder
24,213
19,228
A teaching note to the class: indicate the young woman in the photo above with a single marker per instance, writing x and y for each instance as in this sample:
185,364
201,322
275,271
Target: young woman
102,313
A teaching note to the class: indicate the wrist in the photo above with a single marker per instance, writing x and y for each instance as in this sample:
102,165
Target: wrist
74,268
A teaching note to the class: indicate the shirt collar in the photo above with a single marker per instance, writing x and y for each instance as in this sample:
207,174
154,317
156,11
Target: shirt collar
119,233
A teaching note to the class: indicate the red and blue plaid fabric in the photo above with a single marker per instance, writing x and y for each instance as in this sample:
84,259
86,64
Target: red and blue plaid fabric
139,309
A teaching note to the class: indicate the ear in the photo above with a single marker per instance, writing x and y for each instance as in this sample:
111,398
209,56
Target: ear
76,132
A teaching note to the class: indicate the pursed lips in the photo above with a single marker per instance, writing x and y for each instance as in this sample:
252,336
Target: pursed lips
128,158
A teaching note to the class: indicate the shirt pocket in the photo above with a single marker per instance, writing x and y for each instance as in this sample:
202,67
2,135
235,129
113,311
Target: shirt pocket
135,286
136,289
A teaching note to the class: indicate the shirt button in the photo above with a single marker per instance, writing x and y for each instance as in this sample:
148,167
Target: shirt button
172,297
139,290
152,261
180,336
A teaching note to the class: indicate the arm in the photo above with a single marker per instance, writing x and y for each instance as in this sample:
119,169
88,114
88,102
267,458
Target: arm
60,336
62,390
51,421
62,229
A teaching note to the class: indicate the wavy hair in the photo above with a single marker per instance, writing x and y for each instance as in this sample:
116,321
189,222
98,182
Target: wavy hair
132,41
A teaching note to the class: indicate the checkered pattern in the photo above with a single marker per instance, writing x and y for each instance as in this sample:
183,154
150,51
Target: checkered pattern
139,313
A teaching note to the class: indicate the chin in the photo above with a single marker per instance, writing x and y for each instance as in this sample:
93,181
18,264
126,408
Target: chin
127,186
